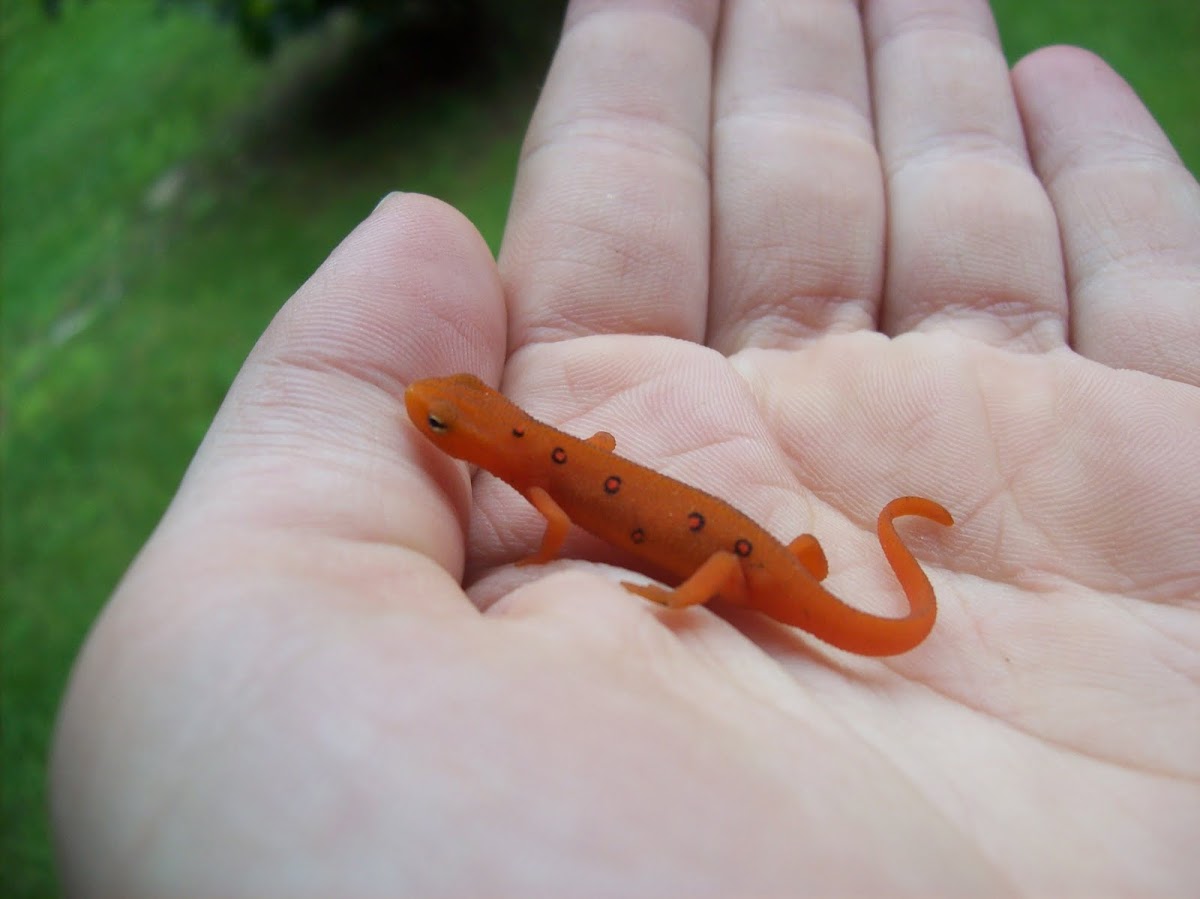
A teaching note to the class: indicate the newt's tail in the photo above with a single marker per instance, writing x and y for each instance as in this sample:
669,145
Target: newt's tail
889,636
829,618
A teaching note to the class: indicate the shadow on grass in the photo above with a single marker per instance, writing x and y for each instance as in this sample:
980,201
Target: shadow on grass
356,84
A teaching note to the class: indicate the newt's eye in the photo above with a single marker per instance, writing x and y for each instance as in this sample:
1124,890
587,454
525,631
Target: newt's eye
436,424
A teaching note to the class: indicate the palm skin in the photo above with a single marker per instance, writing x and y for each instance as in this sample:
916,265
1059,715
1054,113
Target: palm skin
809,291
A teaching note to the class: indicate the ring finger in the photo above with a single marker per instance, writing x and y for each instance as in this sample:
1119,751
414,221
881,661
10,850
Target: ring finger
973,243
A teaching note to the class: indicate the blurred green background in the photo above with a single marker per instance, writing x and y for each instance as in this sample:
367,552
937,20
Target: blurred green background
164,191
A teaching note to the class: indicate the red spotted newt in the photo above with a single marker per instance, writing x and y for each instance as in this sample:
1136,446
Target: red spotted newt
715,550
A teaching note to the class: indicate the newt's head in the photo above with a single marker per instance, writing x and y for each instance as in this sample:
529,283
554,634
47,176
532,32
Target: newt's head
462,416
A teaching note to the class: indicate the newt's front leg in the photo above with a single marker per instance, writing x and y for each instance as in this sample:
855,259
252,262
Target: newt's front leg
557,525
557,522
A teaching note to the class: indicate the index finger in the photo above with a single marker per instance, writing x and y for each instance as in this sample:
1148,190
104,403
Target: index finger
609,226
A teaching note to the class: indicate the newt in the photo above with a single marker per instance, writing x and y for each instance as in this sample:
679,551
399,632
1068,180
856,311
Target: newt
714,550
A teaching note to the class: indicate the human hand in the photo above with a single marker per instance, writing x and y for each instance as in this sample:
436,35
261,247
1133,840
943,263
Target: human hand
881,266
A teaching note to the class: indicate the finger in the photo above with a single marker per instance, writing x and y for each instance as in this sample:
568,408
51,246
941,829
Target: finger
798,212
1130,214
608,231
312,438
973,243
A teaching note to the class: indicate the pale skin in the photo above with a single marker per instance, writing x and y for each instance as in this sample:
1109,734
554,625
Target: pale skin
845,256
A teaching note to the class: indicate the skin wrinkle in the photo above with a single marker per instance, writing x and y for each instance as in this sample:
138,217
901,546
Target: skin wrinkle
1121,152
1128,607
1042,327
759,288
780,297
701,16
881,748
978,271
963,145
615,109
612,242
823,114
779,330
781,318
623,132
835,200
1061,746
1008,480
1106,265
333,365
1123,765
570,327
948,24
1175,639
1016,725
1025,200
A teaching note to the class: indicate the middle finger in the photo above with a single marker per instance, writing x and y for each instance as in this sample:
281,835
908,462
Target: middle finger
973,242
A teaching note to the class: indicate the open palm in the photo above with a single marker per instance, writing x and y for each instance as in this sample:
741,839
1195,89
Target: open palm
804,256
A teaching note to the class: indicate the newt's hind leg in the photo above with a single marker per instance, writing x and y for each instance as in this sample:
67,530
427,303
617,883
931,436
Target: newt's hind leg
720,576
808,553
603,440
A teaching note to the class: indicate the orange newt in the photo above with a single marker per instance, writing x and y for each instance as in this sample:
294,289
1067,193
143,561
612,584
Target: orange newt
713,548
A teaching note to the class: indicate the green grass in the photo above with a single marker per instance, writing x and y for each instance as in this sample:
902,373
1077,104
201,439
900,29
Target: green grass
163,194
1154,45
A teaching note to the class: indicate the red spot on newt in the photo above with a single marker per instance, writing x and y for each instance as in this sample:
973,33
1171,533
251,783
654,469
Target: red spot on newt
466,419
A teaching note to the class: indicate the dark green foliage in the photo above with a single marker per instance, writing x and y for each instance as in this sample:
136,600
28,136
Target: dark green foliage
264,24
